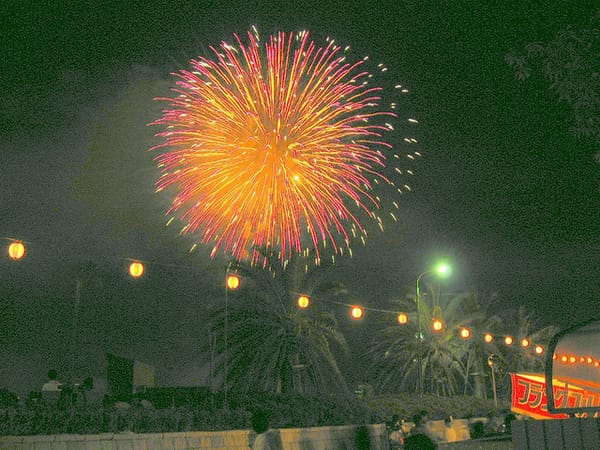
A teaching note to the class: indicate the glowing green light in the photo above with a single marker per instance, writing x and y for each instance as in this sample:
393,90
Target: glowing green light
443,270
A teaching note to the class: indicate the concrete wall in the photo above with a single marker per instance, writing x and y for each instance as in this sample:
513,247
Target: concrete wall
437,428
318,438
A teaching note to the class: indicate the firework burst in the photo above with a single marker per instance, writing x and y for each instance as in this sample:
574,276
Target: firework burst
275,145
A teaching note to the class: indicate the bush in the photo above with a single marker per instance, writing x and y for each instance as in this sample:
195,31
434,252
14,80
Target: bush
285,411
438,408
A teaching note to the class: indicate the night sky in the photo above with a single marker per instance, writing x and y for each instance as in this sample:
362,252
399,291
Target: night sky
503,190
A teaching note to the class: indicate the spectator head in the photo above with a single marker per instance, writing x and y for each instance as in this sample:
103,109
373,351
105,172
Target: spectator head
420,418
260,421
419,442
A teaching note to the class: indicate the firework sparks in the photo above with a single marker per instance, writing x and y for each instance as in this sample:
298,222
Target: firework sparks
274,146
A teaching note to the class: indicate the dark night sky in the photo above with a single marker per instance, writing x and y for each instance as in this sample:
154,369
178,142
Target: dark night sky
503,188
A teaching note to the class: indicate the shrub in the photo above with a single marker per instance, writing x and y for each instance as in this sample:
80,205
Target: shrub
406,405
285,411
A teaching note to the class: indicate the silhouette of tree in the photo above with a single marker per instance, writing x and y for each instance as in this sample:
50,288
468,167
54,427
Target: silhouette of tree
571,63
273,344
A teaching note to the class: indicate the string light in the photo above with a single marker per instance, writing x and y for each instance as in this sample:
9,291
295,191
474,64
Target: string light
136,269
303,301
357,312
233,281
17,250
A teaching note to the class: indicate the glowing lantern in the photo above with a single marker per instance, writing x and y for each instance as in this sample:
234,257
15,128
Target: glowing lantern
16,250
508,340
572,359
488,338
233,281
564,358
136,269
402,318
357,312
524,342
437,325
596,363
590,360
539,349
303,301
582,359
465,333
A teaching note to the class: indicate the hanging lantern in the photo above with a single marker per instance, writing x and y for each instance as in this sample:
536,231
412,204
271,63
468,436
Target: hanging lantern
16,250
437,325
465,333
402,318
233,281
539,349
357,312
303,301
524,342
136,269
488,338
508,340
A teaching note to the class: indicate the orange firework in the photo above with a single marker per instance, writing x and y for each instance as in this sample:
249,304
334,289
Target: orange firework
269,144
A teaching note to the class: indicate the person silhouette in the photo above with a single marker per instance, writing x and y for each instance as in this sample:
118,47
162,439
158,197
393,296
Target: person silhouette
52,389
53,384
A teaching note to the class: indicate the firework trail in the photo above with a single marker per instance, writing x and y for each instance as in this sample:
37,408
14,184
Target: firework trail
275,145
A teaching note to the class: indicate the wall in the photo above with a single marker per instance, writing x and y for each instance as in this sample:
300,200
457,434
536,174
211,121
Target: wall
318,438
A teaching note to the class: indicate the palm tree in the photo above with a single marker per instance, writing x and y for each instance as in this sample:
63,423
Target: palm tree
481,320
395,349
273,345
520,324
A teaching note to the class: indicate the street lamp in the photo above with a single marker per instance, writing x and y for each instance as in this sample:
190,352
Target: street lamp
442,270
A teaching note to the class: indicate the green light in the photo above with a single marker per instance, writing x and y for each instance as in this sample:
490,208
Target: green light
443,270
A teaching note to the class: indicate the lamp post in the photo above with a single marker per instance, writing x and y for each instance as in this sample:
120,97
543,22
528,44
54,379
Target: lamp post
440,269
232,281
491,360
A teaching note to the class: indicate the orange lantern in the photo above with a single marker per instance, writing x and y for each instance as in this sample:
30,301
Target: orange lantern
488,338
303,301
590,360
572,359
465,333
564,358
136,269
16,250
437,325
357,312
508,340
402,318
524,342
233,281
539,349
